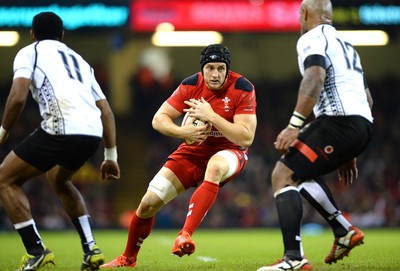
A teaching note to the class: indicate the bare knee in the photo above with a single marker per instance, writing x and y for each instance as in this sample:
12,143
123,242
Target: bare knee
8,178
281,176
149,205
66,189
217,167
3,186
8,183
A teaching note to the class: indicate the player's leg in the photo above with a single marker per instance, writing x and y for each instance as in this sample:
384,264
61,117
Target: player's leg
75,207
318,194
13,173
164,187
347,236
306,161
71,198
290,212
300,162
139,229
204,196
71,152
222,167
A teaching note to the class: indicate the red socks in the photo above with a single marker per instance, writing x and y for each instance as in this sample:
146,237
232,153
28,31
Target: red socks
139,229
202,200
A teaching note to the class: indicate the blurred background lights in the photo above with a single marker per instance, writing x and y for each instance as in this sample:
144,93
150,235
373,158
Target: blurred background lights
9,38
166,36
165,27
366,37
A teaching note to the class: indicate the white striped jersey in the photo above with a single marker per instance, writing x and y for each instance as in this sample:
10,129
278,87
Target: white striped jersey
64,86
344,89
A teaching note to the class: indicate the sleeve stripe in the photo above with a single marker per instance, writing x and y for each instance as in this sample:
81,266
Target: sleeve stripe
314,60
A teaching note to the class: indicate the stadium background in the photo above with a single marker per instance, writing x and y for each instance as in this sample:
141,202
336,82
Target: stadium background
137,77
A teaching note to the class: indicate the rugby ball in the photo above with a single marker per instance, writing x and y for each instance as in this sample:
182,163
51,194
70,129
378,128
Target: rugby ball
196,122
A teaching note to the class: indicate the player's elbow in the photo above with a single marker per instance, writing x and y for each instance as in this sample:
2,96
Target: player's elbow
155,123
246,141
105,109
246,134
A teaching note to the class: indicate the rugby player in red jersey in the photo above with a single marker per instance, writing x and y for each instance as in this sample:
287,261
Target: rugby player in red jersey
226,101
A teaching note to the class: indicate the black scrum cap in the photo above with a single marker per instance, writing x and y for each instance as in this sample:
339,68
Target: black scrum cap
215,53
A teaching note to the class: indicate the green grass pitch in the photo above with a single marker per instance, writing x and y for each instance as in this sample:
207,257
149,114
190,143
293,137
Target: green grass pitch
219,250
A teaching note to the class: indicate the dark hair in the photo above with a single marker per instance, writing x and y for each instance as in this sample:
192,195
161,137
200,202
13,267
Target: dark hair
47,25
215,53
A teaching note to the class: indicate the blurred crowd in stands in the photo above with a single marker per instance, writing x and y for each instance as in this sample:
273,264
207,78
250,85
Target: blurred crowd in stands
373,200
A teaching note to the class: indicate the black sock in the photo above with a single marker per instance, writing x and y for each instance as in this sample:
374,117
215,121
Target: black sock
290,212
31,239
81,229
318,194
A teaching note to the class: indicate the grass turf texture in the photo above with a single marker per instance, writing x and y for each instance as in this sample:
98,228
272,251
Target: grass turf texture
222,250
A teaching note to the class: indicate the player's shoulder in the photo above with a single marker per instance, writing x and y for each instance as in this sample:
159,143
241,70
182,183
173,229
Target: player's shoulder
319,32
25,55
241,82
315,39
191,80
27,49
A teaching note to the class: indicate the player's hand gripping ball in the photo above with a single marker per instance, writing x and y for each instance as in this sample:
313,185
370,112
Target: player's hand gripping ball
197,123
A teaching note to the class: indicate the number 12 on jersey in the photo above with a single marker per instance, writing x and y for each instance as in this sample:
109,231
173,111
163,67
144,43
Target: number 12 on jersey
350,53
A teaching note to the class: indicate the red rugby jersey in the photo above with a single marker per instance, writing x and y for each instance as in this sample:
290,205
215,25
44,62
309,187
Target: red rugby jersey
236,97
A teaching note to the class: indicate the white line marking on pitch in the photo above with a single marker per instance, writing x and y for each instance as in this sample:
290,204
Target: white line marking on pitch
206,259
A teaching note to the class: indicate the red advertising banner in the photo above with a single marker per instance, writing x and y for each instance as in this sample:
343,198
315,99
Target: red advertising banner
223,15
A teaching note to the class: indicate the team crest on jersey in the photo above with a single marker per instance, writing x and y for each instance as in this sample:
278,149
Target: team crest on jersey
328,149
226,100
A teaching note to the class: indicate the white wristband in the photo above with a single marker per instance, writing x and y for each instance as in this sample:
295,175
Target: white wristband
296,121
110,154
3,133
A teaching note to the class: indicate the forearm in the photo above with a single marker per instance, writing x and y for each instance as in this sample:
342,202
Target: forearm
304,105
307,97
12,112
369,98
15,103
236,132
164,125
108,122
109,130
109,135
310,89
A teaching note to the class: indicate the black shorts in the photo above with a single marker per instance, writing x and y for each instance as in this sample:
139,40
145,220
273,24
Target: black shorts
44,151
327,143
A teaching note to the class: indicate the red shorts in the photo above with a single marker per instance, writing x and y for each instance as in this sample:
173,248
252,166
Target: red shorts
189,164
